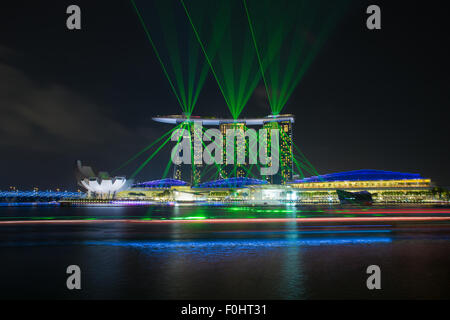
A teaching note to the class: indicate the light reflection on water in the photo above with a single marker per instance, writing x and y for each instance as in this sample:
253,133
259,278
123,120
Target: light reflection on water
206,246
288,260
211,212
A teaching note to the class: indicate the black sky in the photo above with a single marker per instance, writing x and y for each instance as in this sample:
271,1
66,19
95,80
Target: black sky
371,99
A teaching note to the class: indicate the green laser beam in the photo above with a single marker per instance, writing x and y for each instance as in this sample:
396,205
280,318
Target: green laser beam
233,63
190,75
204,52
287,36
150,158
144,150
166,170
257,52
156,52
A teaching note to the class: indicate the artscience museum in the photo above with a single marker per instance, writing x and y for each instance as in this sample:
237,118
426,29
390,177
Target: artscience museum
99,185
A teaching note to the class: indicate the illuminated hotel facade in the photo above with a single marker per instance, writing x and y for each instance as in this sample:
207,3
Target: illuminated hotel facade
190,172
240,146
285,172
284,123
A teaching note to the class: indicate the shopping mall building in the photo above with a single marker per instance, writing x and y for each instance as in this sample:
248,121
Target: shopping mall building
384,186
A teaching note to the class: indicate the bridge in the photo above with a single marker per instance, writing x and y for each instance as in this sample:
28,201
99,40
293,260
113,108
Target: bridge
40,195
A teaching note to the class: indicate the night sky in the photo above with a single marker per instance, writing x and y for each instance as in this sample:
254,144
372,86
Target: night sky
370,100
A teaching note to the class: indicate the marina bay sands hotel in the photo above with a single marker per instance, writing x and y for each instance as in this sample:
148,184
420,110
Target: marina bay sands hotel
196,173
227,183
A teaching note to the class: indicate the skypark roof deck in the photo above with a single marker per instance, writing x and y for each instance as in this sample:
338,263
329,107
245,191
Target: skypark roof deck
211,121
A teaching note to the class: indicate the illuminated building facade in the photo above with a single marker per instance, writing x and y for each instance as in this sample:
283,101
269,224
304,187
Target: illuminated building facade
159,184
177,172
286,151
155,190
183,171
385,186
98,185
197,157
240,145
282,122
285,172
232,183
190,172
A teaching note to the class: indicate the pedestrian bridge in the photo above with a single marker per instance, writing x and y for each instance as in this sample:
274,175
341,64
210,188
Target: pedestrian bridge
45,195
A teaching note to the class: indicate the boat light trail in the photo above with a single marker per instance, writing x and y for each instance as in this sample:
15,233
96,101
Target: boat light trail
254,220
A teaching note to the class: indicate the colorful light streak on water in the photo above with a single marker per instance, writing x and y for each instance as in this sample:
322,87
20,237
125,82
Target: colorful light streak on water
255,220
242,244
281,253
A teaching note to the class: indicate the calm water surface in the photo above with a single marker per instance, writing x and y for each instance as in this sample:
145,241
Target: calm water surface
200,260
